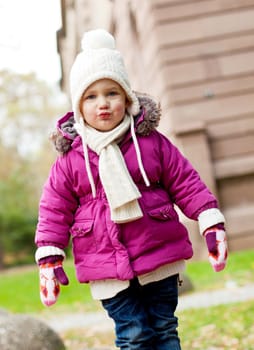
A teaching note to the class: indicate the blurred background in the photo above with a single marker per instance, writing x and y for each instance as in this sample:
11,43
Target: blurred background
195,57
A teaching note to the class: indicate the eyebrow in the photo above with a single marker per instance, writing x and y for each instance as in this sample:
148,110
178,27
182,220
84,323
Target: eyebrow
89,91
113,87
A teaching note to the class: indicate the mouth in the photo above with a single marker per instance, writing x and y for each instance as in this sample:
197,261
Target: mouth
105,115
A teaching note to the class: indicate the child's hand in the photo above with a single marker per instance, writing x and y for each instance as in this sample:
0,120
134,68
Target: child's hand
51,276
217,246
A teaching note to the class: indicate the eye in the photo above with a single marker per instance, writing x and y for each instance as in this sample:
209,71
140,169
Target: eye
113,93
90,97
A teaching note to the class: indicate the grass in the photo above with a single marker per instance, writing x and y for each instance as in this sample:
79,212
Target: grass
220,327
224,327
19,292
240,270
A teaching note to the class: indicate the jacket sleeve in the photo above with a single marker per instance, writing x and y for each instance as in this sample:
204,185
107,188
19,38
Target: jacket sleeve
57,206
183,183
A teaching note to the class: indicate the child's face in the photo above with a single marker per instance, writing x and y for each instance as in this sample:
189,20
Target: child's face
103,105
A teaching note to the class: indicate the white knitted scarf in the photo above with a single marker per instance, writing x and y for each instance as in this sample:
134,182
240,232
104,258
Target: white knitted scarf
121,191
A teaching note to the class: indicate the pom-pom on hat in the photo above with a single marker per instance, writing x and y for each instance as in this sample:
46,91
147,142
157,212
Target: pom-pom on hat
99,59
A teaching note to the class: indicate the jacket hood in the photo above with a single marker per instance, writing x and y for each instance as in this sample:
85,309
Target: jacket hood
145,122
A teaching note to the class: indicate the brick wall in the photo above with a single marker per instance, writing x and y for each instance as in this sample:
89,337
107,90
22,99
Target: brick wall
197,58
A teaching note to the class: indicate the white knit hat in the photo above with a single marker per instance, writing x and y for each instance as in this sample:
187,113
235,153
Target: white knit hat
99,59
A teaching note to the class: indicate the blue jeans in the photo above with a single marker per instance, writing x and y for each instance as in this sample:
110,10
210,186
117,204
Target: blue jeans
144,315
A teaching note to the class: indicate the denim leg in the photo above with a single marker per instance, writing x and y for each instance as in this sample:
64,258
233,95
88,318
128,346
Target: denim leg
144,315
160,300
131,322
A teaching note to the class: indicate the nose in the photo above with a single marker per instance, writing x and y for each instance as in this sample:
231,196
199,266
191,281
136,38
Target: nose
102,102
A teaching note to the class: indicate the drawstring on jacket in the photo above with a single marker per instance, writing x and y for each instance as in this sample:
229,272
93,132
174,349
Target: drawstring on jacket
80,127
137,149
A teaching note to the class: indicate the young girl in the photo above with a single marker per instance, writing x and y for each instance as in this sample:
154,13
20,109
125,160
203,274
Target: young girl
112,190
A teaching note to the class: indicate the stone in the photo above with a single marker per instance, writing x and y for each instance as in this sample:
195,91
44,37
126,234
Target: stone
23,332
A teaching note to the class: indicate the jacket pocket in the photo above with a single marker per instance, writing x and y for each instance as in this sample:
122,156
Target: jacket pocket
83,239
164,213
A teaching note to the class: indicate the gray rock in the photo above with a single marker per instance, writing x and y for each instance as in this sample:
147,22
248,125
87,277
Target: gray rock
22,332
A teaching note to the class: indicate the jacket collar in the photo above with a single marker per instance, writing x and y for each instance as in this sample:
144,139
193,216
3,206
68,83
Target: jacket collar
66,137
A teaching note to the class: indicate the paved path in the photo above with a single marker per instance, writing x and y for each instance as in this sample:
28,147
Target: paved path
228,295
99,321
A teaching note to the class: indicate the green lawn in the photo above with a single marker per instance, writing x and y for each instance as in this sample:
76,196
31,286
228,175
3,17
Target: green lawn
19,292
19,288
224,327
240,269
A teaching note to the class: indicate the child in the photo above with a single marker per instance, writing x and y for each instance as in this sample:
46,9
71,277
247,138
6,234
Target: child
113,190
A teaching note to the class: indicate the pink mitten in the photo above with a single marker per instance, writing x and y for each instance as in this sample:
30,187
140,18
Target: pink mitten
51,276
217,246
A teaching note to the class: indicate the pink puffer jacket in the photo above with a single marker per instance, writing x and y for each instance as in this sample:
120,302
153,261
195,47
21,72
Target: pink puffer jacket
101,248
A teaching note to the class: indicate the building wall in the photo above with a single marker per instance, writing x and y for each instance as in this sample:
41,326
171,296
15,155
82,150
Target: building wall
77,17
197,59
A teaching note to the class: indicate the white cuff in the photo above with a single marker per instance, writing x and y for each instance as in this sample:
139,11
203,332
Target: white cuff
44,251
208,218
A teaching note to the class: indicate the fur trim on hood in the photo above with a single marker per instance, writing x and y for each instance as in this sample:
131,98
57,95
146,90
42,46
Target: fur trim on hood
146,121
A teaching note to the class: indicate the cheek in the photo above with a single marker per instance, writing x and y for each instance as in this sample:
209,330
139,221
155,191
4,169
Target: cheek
120,108
81,108
86,109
